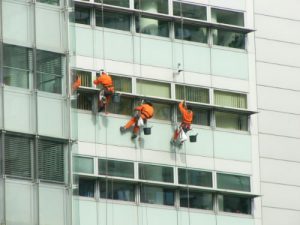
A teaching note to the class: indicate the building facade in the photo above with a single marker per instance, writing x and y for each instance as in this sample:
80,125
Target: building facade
63,162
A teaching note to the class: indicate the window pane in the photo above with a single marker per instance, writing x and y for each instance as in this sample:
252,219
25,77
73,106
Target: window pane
113,20
192,94
117,190
84,101
86,187
231,121
230,99
82,15
50,69
152,26
156,173
162,111
151,88
194,177
229,39
153,6
116,168
189,10
122,84
51,2
85,77
234,204
124,107
233,182
157,195
121,3
227,17
83,165
196,199
17,63
191,32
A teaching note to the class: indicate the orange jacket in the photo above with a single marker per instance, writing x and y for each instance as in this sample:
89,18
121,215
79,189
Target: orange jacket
146,110
105,80
187,115
76,84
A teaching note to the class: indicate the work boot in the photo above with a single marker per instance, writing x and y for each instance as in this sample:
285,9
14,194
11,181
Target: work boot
133,136
122,129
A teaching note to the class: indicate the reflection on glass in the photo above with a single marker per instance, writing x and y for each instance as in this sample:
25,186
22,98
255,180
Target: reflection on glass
152,26
157,195
233,121
156,173
121,3
191,32
153,6
234,204
189,10
194,177
229,39
196,199
83,164
117,190
163,111
116,168
113,20
84,101
86,187
85,77
50,2
122,83
82,15
227,17
233,182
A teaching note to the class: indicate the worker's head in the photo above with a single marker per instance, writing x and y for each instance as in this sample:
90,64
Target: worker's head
101,72
188,107
148,102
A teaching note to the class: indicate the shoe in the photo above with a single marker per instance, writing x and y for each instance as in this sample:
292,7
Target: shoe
133,136
122,129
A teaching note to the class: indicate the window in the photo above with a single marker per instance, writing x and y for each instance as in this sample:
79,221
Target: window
234,204
17,65
17,156
82,15
51,2
190,11
121,3
124,107
190,32
122,83
86,187
227,17
196,199
113,20
233,121
116,168
200,116
157,195
229,38
117,190
50,70
83,165
230,99
233,182
152,88
156,173
152,26
85,101
162,111
195,177
153,6
193,94
85,76
51,161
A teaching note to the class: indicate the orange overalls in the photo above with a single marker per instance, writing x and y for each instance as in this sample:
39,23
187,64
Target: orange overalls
107,83
76,84
187,119
145,112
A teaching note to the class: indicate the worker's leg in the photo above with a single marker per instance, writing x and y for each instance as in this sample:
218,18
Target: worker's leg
130,123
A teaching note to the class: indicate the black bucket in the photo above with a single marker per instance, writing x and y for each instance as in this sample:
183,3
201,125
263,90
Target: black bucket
147,130
193,138
116,98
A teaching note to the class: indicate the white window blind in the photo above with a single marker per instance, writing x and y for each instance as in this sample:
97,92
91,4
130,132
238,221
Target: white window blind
151,88
230,99
193,94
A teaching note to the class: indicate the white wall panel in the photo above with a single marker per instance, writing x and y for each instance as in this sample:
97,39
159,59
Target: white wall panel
233,64
277,147
87,212
279,123
286,9
230,84
155,216
97,43
278,99
278,171
84,41
278,76
233,220
231,4
280,196
273,216
87,131
193,218
16,23
283,31
277,52
49,29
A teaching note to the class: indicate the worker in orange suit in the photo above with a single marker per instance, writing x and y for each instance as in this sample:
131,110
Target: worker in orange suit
187,119
144,111
108,89
76,83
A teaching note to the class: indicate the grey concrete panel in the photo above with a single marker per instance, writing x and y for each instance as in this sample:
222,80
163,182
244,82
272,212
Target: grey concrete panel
273,216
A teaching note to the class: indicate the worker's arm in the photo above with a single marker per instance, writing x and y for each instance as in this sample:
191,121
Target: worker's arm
138,108
98,81
181,107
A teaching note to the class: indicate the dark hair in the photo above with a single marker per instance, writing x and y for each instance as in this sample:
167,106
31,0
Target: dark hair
148,102
188,107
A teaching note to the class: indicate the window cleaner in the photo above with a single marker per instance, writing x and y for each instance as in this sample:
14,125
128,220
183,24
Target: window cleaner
187,118
107,91
76,83
142,113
